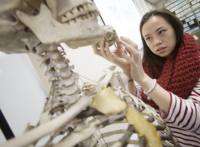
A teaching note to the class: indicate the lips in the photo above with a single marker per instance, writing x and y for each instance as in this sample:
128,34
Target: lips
161,49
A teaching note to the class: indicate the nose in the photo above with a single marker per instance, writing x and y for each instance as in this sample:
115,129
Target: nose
157,41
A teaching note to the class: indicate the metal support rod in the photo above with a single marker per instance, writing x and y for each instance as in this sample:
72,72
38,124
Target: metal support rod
5,128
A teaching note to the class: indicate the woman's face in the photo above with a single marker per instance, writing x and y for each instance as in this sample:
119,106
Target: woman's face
159,36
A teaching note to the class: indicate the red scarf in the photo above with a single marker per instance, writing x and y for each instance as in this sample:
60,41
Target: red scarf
180,72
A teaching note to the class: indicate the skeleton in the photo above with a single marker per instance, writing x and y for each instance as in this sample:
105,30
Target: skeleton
79,110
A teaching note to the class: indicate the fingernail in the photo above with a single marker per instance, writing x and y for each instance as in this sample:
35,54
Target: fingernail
122,37
123,54
124,44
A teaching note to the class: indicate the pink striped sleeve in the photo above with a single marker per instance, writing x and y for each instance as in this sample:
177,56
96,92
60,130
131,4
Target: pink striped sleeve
138,91
185,114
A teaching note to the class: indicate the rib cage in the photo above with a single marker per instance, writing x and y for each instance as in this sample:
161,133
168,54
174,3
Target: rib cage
119,128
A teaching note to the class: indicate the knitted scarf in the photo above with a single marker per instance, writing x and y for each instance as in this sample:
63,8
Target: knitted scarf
180,72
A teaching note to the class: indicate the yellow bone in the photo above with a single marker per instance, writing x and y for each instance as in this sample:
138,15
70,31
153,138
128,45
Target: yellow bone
143,128
107,102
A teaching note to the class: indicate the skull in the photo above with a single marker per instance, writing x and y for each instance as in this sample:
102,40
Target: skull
73,22
110,35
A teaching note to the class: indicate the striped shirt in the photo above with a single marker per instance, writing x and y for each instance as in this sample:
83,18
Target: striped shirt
183,117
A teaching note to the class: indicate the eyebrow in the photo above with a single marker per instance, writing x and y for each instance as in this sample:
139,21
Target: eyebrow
156,31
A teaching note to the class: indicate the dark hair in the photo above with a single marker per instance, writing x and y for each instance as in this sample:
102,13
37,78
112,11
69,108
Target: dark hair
175,23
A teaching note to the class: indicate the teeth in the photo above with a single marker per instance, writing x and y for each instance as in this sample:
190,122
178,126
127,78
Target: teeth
76,12
79,19
82,17
87,16
91,7
69,16
86,9
72,22
92,14
64,19
84,12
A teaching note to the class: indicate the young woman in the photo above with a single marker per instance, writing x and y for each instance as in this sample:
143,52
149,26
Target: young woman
169,74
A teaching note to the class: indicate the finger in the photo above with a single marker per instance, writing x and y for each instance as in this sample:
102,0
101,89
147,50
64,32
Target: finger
102,48
131,49
119,43
129,41
96,50
109,53
129,59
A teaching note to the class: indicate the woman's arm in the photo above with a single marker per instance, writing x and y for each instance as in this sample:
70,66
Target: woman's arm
179,112
185,114
159,95
131,88
182,113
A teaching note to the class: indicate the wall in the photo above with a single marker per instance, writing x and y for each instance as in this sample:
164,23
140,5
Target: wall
36,62
22,95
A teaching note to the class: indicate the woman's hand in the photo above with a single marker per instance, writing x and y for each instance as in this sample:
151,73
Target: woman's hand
114,56
136,68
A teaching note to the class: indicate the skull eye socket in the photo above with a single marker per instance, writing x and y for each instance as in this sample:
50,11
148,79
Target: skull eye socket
108,35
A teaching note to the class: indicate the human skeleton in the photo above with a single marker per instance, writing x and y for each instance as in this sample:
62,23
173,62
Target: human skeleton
78,110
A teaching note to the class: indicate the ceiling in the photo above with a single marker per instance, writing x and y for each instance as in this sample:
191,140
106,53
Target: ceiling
153,1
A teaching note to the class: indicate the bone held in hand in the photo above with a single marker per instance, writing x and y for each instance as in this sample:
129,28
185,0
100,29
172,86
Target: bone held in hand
110,35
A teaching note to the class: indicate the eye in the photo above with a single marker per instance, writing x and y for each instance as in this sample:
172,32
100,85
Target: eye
148,38
162,31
